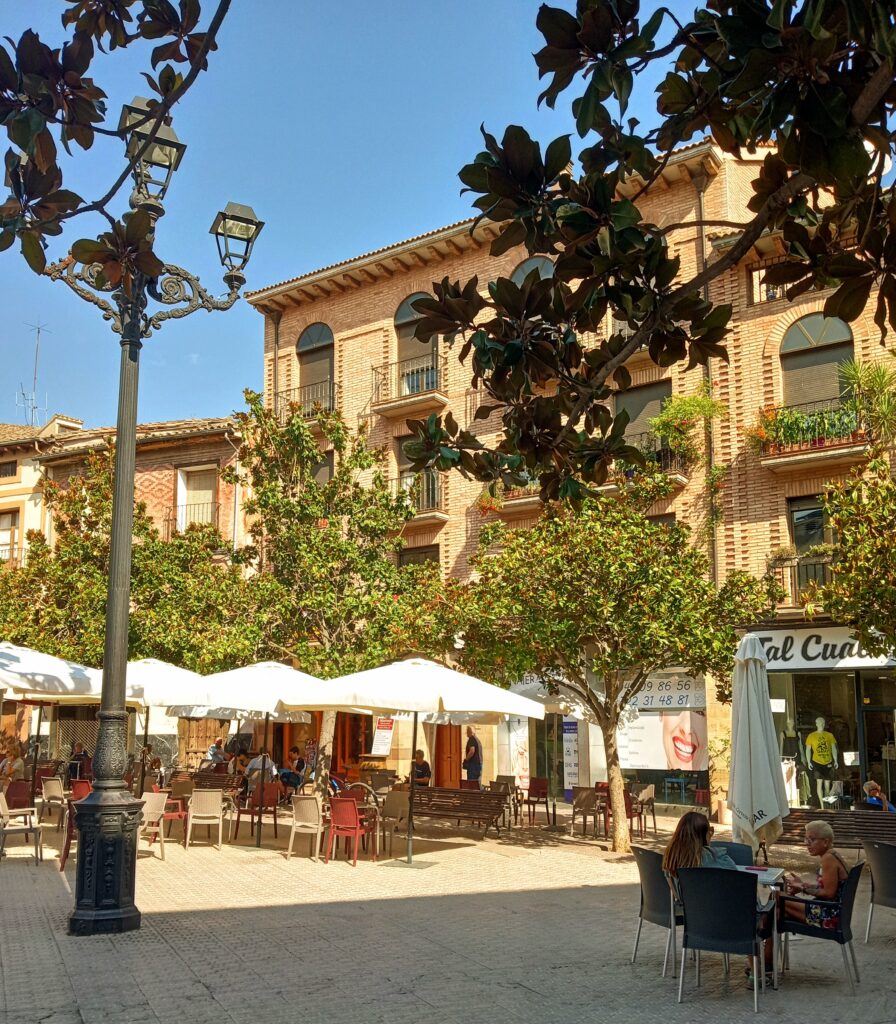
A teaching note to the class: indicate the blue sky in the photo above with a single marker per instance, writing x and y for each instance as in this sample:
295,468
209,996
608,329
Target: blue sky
343,125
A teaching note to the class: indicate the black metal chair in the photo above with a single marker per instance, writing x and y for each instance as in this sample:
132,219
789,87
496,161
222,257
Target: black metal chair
721,916
842,934
881,858
658,904
740,853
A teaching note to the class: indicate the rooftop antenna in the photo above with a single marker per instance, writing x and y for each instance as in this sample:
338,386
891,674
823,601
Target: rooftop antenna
27,400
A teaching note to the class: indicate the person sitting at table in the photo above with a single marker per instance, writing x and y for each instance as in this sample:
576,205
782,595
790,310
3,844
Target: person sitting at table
216,752
827,884
255,765
13,768
292,774
874,797
420,768
78,762
689,846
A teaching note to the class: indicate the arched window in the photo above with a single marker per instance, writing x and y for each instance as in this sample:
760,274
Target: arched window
542,264
316,384
417,367
812,351
406,318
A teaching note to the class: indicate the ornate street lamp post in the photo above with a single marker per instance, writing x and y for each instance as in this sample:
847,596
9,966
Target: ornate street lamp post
109,818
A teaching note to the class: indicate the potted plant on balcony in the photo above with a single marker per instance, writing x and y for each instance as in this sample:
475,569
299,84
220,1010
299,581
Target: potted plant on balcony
682,422
783,555
763,437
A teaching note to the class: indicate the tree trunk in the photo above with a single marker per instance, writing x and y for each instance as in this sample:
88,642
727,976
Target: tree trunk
621,837
324,754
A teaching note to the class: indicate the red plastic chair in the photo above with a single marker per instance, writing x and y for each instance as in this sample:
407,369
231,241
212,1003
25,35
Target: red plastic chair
701,797
69,835
18,794
538,791
81,788
267,798
346,821
631,812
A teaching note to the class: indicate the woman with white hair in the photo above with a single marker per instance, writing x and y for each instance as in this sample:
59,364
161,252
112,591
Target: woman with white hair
827,884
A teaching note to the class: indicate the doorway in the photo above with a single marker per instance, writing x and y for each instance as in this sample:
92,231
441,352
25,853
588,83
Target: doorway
448,756
549,753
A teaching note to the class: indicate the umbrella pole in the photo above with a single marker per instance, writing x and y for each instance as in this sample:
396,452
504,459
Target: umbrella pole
40,712
143,752
264,772
411,796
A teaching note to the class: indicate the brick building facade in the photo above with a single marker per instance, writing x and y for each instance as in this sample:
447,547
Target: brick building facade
342,336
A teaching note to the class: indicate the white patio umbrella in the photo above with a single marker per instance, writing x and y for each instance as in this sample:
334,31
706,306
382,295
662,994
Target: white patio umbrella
254,692
421,687
756,793
554,703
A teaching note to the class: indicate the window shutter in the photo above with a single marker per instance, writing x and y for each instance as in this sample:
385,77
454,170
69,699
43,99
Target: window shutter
642,404
316,366
813,374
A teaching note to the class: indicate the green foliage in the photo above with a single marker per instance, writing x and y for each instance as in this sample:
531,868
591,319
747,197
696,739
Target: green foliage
682,417
872,391
596,601
47,93
330,547
813,80
189,605
861,593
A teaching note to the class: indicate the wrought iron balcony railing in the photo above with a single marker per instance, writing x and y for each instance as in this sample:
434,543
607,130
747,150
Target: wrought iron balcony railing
795,574
11,554
425,489
658,454
408,377
308,401
810,425
179,517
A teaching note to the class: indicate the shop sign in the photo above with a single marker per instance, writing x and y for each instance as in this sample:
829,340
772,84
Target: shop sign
796,650
570,753
382,737
670,689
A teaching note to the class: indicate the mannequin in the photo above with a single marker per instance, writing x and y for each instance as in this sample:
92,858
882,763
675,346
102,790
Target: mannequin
788,741
821,758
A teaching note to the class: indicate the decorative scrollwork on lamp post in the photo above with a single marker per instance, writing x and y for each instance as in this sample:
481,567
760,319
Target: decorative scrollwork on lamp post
108,819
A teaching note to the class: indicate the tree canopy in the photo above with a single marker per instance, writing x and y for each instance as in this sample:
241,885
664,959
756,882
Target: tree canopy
810,84
189,605
49,94
594,601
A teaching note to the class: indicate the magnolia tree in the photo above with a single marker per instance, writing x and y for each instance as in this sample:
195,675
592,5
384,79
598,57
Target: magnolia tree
49,95
812,83
327,532
595,601
189,606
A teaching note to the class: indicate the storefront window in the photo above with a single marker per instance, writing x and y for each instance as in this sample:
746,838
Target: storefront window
815,718
879,722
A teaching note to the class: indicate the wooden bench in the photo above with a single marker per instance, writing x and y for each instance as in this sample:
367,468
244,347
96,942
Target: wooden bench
476,805
851,828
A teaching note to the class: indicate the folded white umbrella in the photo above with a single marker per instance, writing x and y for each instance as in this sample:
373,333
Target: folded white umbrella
29,674
756,793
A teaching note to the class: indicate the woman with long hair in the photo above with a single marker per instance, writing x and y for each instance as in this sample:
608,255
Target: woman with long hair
689,846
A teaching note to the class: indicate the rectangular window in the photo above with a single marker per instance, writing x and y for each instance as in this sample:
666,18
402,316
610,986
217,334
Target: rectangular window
808,523
642,404
8,468
9,530
198,496
323,470
762,292
667,519
417,556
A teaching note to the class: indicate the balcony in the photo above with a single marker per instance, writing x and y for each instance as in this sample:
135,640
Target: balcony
179,517
410,386
427,496
308,401
11,555
795,574
795,435
658,456
521,498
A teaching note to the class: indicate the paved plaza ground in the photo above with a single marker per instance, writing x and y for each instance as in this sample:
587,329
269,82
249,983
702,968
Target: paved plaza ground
531,928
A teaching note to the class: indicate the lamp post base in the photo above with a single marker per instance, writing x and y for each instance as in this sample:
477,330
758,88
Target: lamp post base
107,822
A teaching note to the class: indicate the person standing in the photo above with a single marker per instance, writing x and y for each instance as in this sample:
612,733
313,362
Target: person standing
473,756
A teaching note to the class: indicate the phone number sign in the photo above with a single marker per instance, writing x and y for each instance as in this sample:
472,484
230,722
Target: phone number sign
664,691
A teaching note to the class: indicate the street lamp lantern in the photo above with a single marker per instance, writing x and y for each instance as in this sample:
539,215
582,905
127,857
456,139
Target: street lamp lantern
235,229
108,819
160,159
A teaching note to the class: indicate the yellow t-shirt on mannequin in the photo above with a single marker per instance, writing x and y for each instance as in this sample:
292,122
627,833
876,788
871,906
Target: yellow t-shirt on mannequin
821,744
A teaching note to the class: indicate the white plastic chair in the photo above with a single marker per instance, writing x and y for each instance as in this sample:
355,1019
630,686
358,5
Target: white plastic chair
395,809
307,818
9,828
206,807
53,793
153,820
